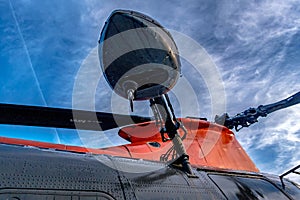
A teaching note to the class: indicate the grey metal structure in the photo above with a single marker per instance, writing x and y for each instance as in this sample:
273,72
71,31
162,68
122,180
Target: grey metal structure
250,116
33,173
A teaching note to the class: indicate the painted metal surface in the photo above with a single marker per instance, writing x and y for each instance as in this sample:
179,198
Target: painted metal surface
64,118
137,54
34,173
22,168
207,144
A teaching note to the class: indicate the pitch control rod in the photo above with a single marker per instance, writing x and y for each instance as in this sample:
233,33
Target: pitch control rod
165,117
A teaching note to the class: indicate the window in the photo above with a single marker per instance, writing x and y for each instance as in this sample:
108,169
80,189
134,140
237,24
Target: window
242,187
53,195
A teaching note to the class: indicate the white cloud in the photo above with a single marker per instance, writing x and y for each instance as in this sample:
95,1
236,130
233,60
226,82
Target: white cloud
252,44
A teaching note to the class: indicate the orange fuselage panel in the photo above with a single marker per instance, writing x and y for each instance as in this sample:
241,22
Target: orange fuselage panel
207,144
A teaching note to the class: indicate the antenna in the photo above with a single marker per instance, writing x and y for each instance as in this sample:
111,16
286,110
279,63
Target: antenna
293,170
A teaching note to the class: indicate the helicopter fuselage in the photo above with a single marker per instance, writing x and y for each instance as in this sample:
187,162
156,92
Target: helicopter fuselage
37,170
35,173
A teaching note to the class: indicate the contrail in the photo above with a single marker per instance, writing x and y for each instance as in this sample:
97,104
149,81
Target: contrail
29,60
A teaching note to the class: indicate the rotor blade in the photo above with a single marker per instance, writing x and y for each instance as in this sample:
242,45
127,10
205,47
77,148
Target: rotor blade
290,101
250,116
64,118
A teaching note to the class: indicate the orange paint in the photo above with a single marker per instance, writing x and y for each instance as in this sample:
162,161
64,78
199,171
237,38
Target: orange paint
207,144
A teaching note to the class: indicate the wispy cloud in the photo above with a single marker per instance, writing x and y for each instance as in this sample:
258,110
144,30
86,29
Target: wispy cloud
253,43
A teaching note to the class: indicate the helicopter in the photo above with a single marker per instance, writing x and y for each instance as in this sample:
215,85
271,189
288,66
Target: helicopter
167,158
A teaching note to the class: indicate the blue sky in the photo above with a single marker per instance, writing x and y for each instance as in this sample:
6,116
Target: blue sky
254,44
